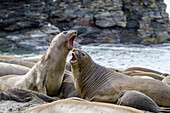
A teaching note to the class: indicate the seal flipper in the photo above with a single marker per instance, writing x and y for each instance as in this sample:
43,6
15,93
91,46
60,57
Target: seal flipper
9,96
164,109
137,100
20,95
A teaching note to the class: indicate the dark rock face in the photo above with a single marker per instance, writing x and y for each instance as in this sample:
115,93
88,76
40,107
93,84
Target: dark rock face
31,24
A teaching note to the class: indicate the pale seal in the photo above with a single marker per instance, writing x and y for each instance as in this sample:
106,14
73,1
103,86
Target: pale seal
97,83
80,106
137,100
21,62
9,69
47,74
167,80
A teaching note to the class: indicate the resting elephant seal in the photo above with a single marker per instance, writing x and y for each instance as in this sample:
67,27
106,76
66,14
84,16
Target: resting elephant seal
97,83
20,95
141,74
137,100
47,74
78,106
18,62
8,69
166,80
142,69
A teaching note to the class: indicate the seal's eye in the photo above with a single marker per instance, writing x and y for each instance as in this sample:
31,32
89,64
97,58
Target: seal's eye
83,54
65,32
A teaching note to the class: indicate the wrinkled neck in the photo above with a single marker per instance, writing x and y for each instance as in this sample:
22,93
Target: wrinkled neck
92,77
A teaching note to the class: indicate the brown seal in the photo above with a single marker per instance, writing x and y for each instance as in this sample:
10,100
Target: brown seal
80,106
47,74
137,100
97,83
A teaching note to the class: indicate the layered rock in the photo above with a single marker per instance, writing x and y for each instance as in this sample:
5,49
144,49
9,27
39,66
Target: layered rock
31,24
23,25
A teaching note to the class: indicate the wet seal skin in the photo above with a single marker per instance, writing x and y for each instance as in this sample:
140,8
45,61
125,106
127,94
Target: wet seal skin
46,75
97,83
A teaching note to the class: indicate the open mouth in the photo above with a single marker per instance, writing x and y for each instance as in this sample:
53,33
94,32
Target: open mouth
72,40
73,59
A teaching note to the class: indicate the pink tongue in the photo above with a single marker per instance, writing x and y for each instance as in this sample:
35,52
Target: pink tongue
71,43
74,58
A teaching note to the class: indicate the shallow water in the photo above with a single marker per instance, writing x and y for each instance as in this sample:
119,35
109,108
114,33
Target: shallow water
121,56
155,57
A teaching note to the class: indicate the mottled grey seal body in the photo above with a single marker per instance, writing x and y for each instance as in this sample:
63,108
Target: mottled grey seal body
47,74
67,88
78,106
20,95
9,96
97,83
137,100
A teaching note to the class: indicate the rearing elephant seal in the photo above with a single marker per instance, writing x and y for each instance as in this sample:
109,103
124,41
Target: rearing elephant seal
47,74
97,83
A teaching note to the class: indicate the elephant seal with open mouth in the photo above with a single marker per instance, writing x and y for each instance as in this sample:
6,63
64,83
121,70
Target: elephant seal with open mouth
97,83
47,74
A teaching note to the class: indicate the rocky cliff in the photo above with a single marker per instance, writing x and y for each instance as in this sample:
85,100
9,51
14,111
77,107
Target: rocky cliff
31,24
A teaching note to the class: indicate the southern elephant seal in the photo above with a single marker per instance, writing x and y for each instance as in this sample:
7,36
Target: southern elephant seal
18,62
20,95
117,70
78,106
137,100
167,80
9,69
97,83
47,74
67,88
142,74
142,69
